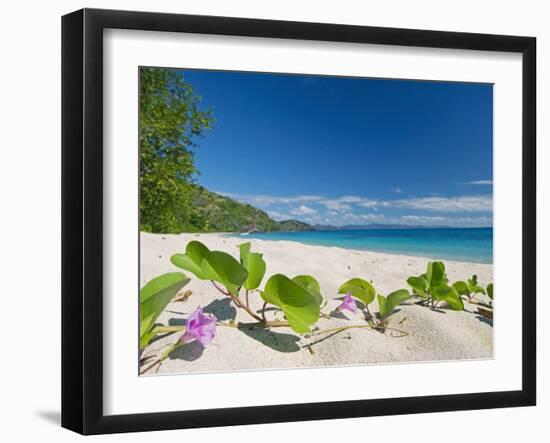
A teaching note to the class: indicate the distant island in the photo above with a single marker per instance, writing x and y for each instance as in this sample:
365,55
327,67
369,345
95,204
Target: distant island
212,212
373,226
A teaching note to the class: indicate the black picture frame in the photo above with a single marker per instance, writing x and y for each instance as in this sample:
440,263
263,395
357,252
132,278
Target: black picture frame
82,219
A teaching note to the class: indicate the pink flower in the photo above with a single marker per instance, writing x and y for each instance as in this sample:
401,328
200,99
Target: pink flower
348,304
200,327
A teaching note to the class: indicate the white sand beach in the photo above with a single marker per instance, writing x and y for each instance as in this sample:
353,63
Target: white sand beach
440,334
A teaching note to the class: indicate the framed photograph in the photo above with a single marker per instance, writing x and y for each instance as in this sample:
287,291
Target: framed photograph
269,221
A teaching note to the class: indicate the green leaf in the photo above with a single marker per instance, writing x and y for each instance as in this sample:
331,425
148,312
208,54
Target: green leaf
383,305
436,273
474,287
398,297
154,297
212,265
449,295
192,259
490,290
244,249
418,284
461,287
146,338
360,289
301,308
225,269
311,285
254,264
388,304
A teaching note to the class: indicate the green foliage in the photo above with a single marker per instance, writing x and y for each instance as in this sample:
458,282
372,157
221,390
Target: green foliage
153,298
225,269
435,274
419,285
490,290
389,303
299,298
365,292
300,306
468,288
433,286
170,119
212,265
311,285
360,289
474,287
292,225
447,294
254,264
192,259
461,288
211,212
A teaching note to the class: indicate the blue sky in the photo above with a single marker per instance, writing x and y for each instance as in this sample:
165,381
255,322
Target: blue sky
341,151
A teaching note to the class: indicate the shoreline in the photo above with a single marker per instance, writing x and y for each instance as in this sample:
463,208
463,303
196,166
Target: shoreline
245,237
441,335
400,254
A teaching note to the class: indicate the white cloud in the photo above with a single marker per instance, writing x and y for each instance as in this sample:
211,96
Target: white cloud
478,182
474,203
339,219
278,216
369,203
335,205
353,209
379,218
463,203
426,220
343,204
303,210
267,200
350,199
397,190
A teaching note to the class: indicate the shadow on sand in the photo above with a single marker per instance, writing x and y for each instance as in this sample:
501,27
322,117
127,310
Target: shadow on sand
278,341
188,352
485,320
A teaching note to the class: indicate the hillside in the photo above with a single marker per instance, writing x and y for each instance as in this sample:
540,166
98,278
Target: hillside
212,212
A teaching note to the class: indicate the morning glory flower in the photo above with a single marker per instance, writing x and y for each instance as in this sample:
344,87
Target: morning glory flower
348,304
200,327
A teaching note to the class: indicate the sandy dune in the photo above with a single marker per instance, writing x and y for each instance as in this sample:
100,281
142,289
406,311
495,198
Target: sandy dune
432,335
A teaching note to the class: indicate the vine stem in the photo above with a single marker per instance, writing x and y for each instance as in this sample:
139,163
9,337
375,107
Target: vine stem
237,302
263,324
168,329
340,329
368,311
345,328
260,324
163,357
178,344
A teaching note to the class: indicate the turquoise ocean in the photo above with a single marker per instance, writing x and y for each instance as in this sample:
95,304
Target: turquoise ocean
461,244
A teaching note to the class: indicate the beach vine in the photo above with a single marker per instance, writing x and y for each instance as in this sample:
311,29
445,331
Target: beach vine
299,298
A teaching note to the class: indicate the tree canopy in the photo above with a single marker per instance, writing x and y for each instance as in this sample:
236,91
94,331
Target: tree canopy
170,121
